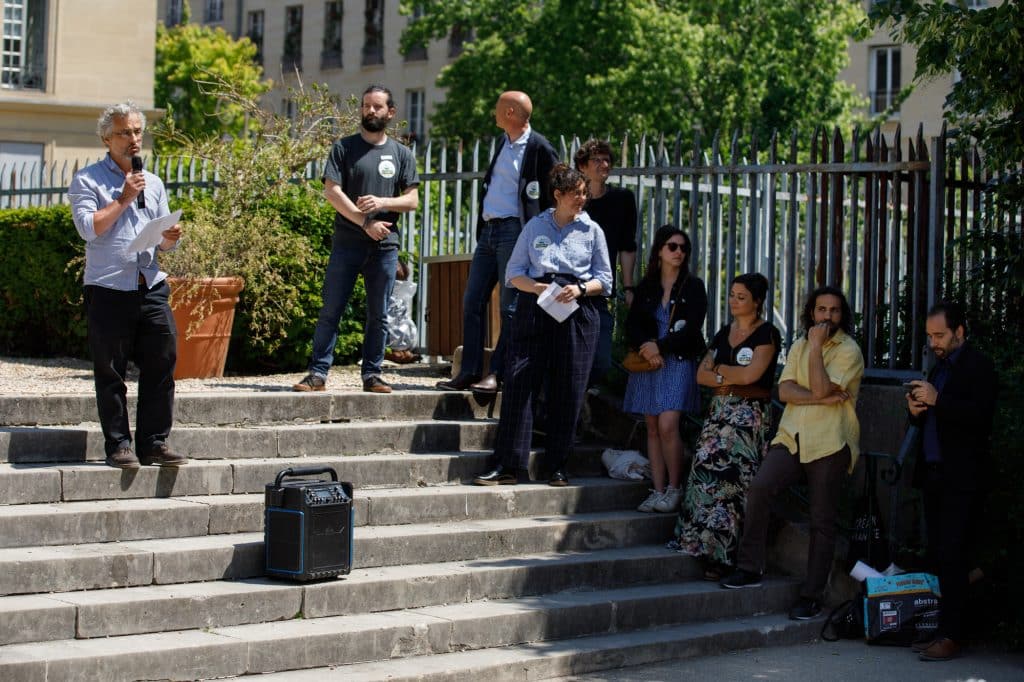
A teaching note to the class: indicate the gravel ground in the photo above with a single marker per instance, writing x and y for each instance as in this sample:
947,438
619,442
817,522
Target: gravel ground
49,376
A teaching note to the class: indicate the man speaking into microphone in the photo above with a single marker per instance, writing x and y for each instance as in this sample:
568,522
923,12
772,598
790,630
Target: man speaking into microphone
126,293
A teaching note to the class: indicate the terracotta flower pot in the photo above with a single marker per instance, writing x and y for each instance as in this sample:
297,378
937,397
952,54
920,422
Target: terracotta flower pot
208,310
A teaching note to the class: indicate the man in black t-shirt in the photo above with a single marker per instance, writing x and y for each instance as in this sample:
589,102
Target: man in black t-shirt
369,179
614,209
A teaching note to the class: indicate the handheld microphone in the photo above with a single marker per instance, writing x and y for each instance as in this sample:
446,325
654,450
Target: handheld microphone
140,200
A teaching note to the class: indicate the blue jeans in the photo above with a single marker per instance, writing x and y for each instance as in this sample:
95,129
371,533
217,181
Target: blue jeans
490,258
377,266
603,356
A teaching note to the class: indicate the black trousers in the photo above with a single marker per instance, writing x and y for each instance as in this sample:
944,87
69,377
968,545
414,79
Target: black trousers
951,519
555,356
137,326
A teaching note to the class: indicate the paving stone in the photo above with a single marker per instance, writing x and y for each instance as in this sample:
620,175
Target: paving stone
23,484
100,482
160,608
34,618
100,521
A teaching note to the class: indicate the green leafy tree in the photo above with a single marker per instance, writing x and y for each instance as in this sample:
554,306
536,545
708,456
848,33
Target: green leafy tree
986,104
189,53
644,65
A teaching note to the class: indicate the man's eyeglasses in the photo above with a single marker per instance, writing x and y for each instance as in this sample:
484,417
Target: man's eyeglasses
676,246
129,133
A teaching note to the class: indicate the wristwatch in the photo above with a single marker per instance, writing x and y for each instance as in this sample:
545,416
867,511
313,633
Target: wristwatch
719,378
583,289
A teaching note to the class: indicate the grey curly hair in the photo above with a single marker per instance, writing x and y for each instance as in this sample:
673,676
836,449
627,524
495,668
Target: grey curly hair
106,120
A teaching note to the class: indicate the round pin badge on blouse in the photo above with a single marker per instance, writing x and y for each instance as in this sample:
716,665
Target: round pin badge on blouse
745,356
541,242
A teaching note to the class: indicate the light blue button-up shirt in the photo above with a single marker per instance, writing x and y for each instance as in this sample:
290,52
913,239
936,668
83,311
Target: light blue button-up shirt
108,263
502,198
577,249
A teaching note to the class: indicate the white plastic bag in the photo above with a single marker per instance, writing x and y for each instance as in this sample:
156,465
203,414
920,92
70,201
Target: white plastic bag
628,465
402,333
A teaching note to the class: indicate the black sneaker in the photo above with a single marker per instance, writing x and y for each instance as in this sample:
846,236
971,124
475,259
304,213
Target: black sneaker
741,578
805,609
311,382
376,385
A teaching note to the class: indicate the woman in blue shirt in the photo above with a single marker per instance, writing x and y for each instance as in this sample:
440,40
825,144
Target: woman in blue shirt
564,246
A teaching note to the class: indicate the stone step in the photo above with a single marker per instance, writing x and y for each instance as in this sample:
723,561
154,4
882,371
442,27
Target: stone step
84,442
65,568
162,608
565,658
340,640
38,483
262,407
96,521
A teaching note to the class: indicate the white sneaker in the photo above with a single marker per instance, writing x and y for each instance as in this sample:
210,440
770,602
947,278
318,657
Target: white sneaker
652,500
669,500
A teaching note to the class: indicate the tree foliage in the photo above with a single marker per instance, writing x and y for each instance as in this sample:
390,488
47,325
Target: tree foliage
986,103
189,53
644,65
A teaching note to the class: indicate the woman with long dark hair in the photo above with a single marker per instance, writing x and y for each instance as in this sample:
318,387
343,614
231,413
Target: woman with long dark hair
665,324
740,369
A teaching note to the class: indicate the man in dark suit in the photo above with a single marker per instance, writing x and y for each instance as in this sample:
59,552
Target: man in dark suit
516,188
954,409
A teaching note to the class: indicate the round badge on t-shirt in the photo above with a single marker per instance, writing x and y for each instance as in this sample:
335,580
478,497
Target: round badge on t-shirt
745,356
386,167
541,242
533,189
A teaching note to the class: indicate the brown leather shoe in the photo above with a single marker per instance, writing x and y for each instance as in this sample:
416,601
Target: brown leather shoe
459,383
489,384
161,455
376,385
123,458
923,642
942,649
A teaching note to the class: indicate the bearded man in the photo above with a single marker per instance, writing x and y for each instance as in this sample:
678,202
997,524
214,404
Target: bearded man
369,179
954,409
818,440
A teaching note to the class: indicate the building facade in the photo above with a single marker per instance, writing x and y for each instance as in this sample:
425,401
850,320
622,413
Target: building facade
345,44
62,63
880,68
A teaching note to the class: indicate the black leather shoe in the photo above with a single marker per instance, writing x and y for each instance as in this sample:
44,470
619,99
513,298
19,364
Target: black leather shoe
459,383
489,384
558,479
499,476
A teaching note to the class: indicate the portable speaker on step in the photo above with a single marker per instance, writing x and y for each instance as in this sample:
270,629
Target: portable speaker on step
307,527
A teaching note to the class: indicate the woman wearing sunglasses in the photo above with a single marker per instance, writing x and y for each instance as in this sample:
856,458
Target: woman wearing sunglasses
666,325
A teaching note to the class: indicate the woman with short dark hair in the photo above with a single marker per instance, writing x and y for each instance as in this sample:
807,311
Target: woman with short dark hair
563,246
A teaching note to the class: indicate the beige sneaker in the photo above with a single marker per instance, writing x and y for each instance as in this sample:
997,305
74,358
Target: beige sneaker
648,504
669,501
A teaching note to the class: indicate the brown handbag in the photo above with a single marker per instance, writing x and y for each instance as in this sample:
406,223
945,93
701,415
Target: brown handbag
634,362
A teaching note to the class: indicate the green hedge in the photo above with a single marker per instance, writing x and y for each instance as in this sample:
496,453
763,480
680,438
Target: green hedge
41,294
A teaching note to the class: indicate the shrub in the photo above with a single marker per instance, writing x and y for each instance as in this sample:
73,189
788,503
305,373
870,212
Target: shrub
40,283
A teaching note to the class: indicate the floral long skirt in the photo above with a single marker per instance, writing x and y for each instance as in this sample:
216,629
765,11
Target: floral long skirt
732,444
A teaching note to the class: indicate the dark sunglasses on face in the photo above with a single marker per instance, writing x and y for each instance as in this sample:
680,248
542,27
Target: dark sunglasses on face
676,246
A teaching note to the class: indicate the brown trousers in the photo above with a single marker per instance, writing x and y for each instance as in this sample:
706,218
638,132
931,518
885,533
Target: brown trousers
779,470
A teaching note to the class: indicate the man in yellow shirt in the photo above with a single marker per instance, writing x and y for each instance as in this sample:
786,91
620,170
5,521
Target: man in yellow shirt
818,438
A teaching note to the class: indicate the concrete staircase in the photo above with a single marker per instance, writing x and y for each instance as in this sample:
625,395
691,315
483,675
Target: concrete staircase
156,573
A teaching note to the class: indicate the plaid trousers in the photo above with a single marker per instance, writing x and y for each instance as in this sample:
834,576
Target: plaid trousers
553,356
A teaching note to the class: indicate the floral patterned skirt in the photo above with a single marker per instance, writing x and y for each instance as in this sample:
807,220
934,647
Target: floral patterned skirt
730,448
